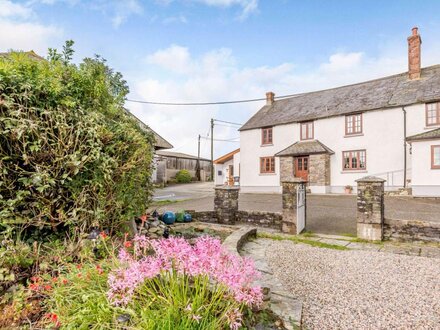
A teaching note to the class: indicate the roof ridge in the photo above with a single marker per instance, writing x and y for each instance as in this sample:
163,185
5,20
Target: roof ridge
358,83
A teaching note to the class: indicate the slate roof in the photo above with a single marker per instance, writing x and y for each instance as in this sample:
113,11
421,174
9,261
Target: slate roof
160,142
178,155
387,92
430,135
305,148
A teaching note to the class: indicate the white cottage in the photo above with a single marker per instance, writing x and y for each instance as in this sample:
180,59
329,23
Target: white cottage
226,168
388,127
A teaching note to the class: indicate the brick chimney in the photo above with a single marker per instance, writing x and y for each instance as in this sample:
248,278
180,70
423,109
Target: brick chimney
414,58
270,98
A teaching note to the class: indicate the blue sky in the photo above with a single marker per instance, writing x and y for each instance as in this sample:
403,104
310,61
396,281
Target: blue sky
211,50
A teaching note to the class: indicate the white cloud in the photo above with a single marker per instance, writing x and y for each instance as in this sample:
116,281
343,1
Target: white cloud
19,29
175,19
13,10
218,76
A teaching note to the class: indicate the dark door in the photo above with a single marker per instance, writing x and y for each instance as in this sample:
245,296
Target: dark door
302,167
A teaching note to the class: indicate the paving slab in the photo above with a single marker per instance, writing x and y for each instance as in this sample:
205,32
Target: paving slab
334,241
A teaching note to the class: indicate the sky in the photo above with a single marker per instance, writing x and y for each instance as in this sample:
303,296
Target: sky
221,50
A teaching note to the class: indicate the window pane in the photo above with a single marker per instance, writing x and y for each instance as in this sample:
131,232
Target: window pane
306,165
354,160
299,164
349,125
432,114
310,130
346,160
362,159
436,155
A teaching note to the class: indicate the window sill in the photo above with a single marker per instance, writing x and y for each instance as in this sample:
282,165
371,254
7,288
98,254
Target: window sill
353,135
432,127
265,174
353,171
267,145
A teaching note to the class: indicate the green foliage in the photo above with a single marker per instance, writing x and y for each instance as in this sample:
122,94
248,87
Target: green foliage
183,176
70,155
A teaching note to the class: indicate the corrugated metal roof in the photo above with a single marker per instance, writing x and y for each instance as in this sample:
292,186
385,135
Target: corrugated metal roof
388,92
178,155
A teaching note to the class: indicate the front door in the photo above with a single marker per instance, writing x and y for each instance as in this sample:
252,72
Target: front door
231,175
302,167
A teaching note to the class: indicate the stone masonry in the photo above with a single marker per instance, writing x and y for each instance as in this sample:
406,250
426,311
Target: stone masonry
226,204
370,208
287,168
319,170
290,205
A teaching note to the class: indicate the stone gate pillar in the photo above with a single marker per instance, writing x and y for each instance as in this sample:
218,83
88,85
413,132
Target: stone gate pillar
290,204
370,208
226,204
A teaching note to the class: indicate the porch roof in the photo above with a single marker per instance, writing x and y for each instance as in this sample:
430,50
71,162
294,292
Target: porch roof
430,135
305,148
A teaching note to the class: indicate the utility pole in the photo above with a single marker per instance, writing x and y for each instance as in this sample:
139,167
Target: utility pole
212,149
198,161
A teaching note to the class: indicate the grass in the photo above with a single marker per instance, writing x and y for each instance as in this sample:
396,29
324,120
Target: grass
297,239
166,202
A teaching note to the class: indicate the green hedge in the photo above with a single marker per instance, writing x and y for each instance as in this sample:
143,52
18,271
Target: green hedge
183,176
70,155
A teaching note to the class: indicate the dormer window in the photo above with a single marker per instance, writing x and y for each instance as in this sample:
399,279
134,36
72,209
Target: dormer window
353,124
307,130
266,136
433,114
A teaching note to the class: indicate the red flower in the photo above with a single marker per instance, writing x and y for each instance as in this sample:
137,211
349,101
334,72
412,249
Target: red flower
54,279
79,266
35,278
79,275
47,287
99,269
34,286
65,281
103,234
53,318
128,244
143,217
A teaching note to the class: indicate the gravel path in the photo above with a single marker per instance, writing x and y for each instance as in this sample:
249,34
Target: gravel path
359,289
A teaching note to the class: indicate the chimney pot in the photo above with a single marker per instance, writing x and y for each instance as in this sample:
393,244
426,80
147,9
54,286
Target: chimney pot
270,98
414,54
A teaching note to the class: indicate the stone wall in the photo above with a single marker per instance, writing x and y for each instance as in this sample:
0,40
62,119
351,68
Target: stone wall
203,216
287,168
226,204
370,208
319,170
412,230
261,219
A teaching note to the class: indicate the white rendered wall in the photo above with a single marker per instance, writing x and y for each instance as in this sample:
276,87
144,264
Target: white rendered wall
222,179
382,138
425,181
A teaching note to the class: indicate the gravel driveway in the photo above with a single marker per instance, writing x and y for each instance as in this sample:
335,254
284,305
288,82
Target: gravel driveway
359,289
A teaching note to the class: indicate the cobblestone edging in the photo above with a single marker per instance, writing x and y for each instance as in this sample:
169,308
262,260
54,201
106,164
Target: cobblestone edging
288,308
282,303
412,230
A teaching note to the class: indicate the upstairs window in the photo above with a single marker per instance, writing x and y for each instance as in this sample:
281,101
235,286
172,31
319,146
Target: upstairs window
267,165
433,114
266,136
435,157
353,124
307,130
354,160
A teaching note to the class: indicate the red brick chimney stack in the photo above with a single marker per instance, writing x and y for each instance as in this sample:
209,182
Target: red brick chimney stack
270,98
414,56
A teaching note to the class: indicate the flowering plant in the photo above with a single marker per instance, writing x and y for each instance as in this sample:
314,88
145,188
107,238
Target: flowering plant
195,286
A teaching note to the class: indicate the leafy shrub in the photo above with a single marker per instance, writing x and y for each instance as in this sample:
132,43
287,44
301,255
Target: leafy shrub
183,176
158,284
70,155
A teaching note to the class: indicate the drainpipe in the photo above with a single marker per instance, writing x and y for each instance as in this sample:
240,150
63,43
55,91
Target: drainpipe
404,147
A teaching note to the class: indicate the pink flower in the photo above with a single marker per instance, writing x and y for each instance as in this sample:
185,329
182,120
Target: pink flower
196,318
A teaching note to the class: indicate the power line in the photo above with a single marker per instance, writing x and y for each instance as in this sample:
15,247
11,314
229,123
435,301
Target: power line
222,140
209,103
227,122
